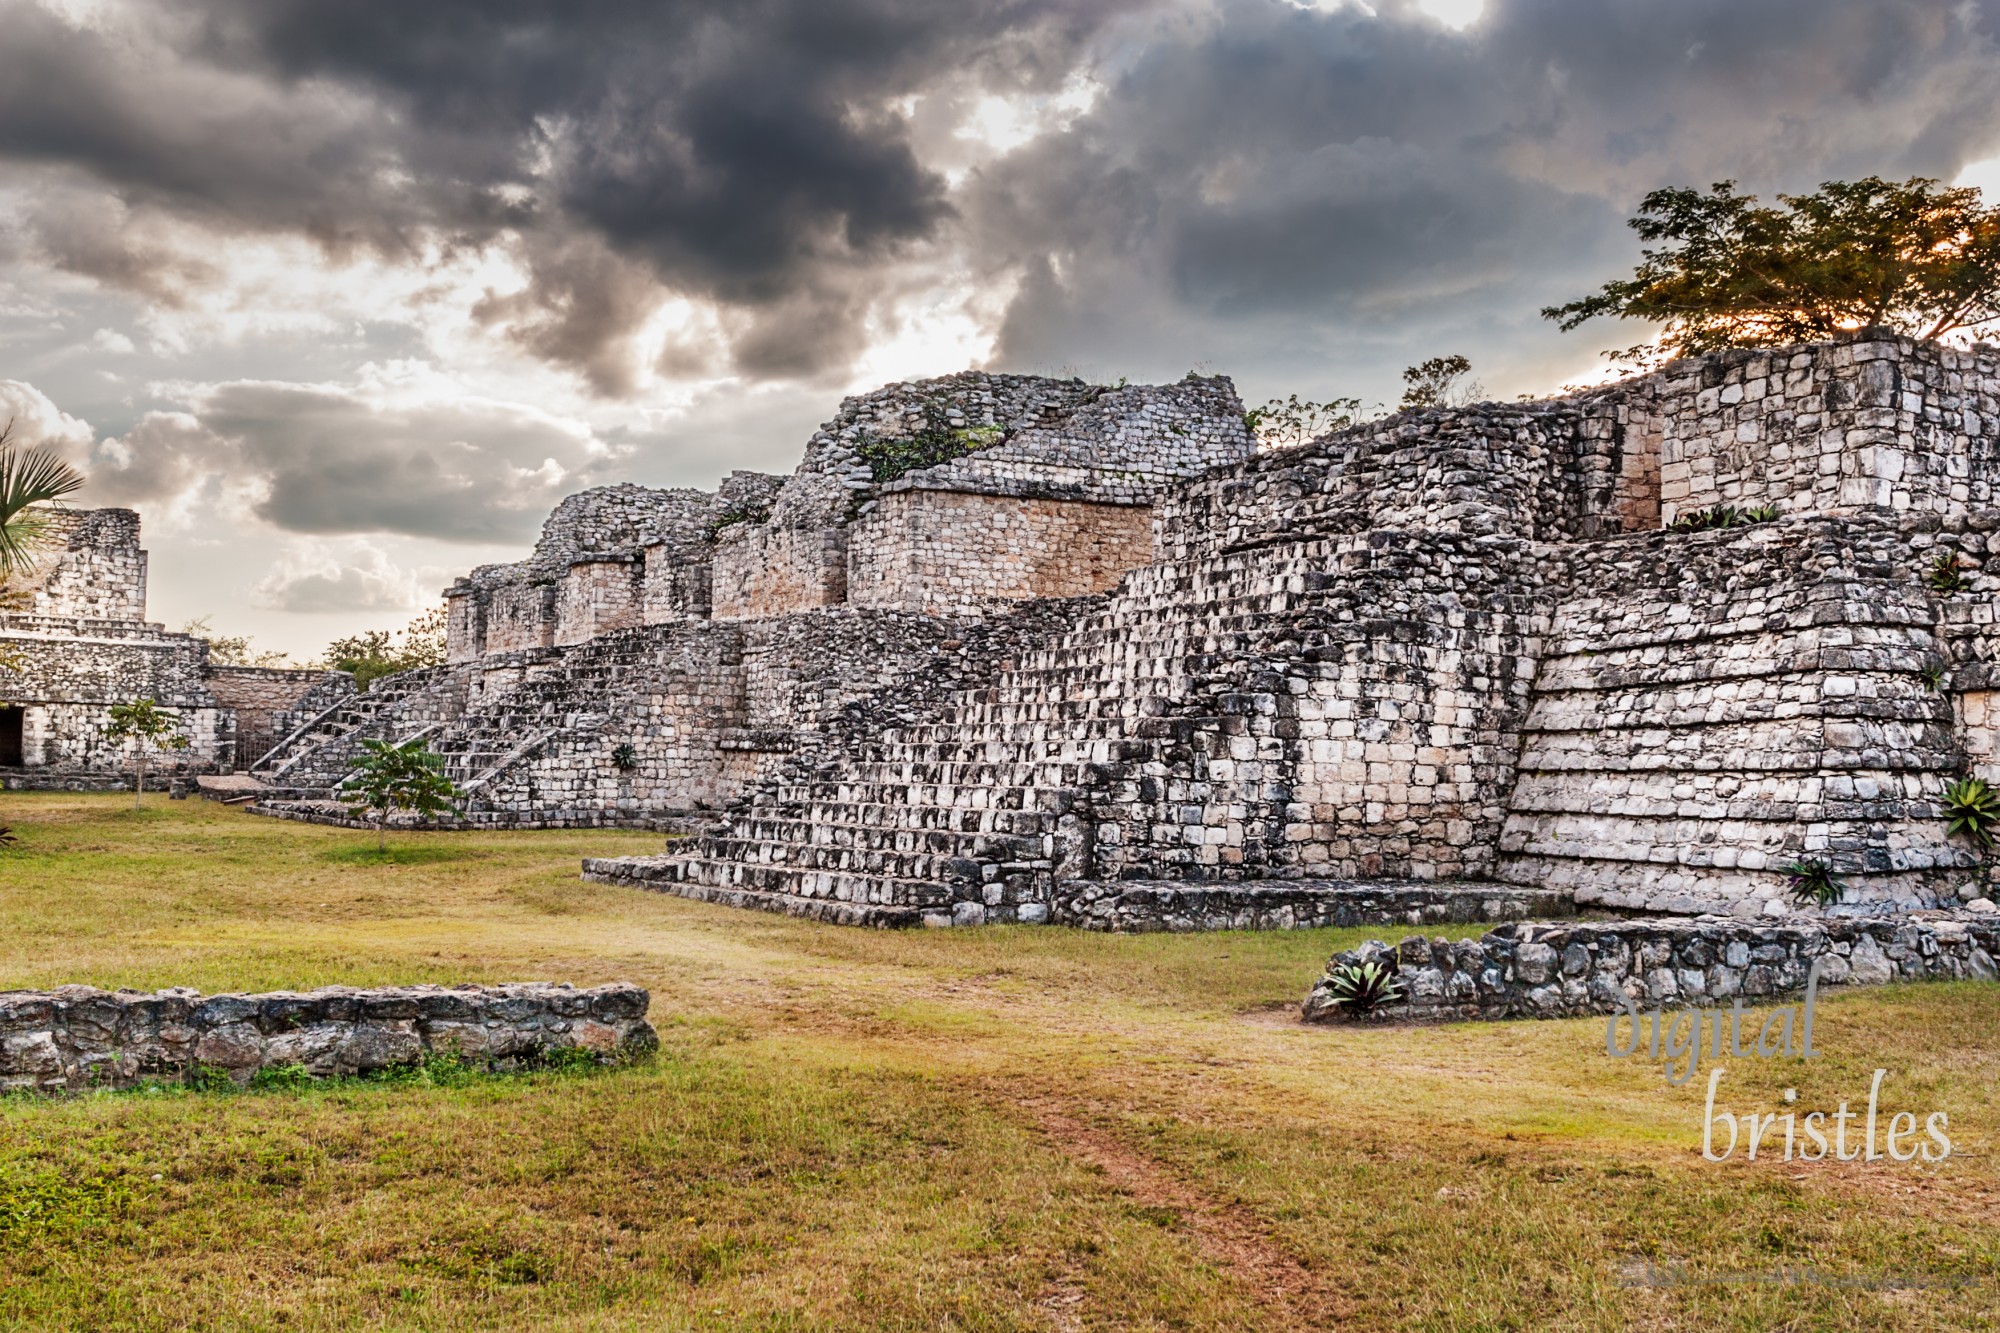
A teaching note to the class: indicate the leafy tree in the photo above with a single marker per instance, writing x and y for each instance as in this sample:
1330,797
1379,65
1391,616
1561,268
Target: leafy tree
1920,258
386,777
378,653
1283,423
1440,382
230,649
149,727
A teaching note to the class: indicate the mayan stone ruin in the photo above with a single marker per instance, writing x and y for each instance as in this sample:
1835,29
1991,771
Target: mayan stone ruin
84,644
1013,649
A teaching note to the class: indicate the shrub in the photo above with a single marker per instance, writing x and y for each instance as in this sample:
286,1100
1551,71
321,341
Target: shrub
282,1078
890,456
1706,520
1972,808
1363,987
1944,576
1813,881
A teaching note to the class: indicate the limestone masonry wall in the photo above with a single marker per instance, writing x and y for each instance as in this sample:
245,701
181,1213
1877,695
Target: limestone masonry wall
954,553
1593,967
77,1037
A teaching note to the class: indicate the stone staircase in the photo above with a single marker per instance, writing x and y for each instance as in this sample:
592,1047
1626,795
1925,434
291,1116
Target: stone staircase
313,758
1100,737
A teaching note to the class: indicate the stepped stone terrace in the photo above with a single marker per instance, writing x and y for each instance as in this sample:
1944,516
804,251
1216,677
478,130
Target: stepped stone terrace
1014,649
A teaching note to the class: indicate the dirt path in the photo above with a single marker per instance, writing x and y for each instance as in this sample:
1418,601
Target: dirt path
1291,1295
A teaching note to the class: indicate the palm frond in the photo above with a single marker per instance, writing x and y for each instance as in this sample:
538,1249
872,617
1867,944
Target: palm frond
29,478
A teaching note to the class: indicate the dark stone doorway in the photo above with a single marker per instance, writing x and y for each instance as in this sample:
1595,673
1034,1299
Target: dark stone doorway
10,737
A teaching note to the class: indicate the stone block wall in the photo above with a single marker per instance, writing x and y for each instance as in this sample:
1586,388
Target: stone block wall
1868,420
96,571
599,595
77,1038
774,571
952,553
1573,969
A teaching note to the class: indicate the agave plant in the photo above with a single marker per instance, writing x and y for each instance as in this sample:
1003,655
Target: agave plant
1760,514
1363,987
1972,808
1944,576
1813,881
7,837
29,479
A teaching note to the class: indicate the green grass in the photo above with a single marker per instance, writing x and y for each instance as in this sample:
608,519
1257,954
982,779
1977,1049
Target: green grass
996,1129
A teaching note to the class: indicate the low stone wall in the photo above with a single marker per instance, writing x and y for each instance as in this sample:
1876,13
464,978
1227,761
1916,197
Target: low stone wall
78,1037
1302,904
1567,970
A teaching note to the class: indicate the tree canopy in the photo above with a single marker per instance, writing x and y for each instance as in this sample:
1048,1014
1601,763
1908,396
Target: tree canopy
1917,257
148,726
377,653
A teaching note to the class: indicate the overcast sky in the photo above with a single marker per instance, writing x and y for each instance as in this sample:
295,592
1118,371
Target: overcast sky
343,295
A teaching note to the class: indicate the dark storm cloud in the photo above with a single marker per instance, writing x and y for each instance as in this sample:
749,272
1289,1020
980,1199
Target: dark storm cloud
747,152
332,460
1269,183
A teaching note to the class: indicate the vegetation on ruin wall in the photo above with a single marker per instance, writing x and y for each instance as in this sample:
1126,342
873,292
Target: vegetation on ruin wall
891,456
1015,1128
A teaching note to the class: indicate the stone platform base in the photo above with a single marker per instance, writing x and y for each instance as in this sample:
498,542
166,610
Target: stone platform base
658,874
78,1037
58,779
335,815
1133,905
1296,904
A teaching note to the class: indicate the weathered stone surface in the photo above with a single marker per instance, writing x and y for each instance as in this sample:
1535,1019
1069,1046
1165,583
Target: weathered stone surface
1303,904
1568,969
77,1037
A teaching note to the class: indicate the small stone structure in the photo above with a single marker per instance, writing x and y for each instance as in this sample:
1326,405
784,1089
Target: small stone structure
1570,969
86,645
77,1037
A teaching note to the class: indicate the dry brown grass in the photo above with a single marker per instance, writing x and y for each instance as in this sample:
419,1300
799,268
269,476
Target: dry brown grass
1011,1128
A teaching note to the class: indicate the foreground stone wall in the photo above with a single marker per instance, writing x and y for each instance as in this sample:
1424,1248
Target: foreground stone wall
1566,970
77,1037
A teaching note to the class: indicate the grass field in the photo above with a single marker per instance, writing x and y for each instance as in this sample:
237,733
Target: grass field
1005,1128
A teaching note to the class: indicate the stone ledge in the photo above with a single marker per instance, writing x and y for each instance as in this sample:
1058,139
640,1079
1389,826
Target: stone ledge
1563,970
78,1037
647,872
1295,904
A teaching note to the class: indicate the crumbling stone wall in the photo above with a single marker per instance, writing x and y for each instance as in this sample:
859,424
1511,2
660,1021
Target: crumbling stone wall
1573,969
97,572
77,1037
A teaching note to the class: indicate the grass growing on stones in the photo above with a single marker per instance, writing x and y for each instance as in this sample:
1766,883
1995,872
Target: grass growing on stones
1006,1128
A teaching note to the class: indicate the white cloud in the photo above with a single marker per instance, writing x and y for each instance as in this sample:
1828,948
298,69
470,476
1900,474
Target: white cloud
320,576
